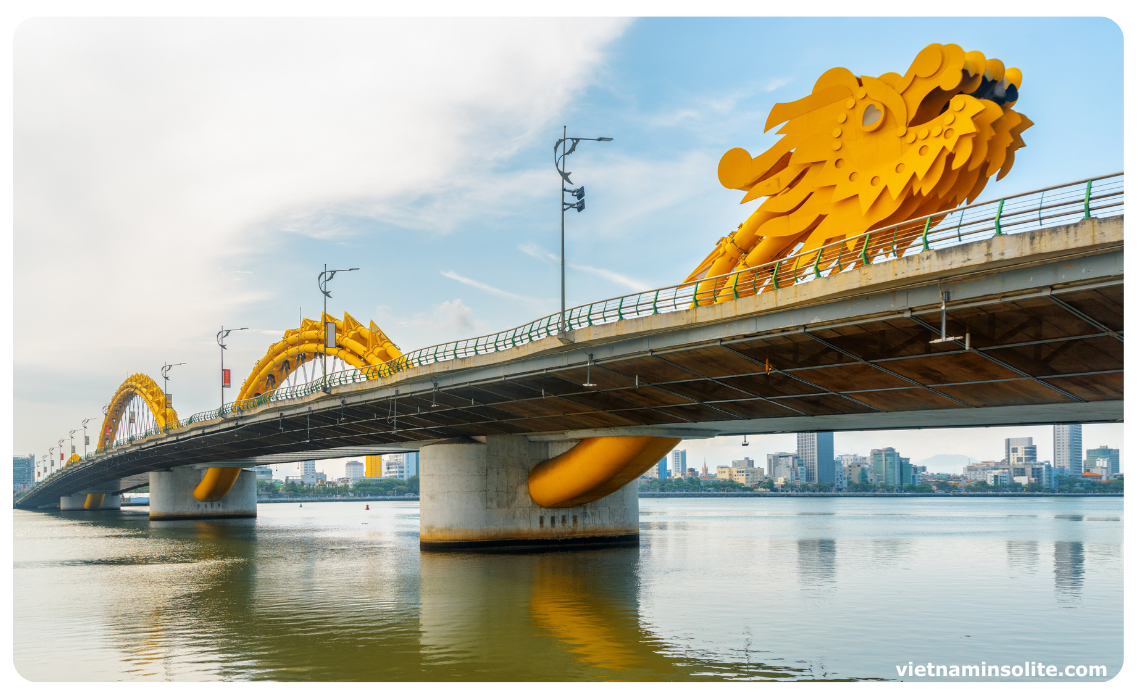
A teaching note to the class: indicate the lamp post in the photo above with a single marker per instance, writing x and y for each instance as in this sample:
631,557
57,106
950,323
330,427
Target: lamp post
323,280
85,436
72,435
43,461
579,193
60,454
165,393
222,343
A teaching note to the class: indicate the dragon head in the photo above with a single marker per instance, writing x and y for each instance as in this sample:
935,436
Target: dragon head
863,152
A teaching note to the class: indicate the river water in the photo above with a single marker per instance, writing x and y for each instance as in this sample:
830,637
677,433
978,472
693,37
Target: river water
731,588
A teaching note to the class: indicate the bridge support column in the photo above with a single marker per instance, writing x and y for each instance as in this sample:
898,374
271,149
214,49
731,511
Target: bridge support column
473,495
97,501
172,496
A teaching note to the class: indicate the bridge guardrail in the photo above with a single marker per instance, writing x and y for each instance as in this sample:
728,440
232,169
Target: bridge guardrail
1062,204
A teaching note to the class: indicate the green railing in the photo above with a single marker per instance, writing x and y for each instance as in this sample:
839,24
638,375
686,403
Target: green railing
1063,204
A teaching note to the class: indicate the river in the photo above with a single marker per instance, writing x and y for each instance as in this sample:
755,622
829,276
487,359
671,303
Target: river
733,588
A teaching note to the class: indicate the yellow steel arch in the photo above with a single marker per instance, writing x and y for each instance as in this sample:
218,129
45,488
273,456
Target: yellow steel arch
145,389
355,345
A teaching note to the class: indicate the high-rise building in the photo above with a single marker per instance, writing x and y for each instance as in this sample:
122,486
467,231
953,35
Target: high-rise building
394,466
887,466
23,467
1105,457
1021,455
775,460
817,452
1068,448
263,473
659,471
354,470
374,466
1010,443
308,467
411,464
678,463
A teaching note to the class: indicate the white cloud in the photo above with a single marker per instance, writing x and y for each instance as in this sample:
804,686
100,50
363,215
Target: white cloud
152,156
448,320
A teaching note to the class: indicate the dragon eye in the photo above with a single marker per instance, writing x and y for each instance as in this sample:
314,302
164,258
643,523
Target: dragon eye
872,115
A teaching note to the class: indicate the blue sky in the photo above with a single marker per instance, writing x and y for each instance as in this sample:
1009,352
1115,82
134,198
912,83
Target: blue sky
175,175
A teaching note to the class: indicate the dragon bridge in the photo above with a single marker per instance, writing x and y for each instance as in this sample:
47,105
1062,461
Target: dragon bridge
858,153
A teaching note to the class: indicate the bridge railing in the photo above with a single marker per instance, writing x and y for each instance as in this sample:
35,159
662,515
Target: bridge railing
1062,204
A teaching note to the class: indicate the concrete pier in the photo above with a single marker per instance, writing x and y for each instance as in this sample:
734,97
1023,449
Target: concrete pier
84,501
172,496
473,495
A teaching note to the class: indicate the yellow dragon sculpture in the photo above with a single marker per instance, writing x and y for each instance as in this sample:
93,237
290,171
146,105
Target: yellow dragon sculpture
860,153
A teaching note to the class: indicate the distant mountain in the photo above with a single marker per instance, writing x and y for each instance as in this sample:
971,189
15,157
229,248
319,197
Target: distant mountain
947,462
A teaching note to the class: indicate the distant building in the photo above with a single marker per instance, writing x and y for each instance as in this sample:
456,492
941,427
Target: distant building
1033,473
678,463
886,465
840,476
817,453
394,466
1068,448
853,468
1010,443
23,470
750,476
705,469
354,471
1022,455
660,471
908,474
998,478
307,480
374,466
263,473
411,464
1108,458
744,462
775,460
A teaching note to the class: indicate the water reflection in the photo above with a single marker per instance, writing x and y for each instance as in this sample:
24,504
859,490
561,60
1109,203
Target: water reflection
339,594
1022,556
816,562
1068,571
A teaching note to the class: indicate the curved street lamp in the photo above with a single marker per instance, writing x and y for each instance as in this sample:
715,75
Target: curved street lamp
323,280
222,343
85,439
165,394
579,194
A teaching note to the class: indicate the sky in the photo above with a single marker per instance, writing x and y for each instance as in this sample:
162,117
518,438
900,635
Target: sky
176,175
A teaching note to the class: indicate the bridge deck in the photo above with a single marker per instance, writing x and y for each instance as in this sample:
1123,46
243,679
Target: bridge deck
1043,310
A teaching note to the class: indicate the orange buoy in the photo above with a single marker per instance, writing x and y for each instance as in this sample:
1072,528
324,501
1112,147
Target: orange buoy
366,507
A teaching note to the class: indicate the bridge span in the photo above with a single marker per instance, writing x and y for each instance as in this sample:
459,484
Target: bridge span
866,291
1042,312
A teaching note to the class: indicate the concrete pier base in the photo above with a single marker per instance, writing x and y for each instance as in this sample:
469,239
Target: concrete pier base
473,496
172,496
90,502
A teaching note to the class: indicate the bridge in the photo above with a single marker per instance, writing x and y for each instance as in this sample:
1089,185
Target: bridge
1007,312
